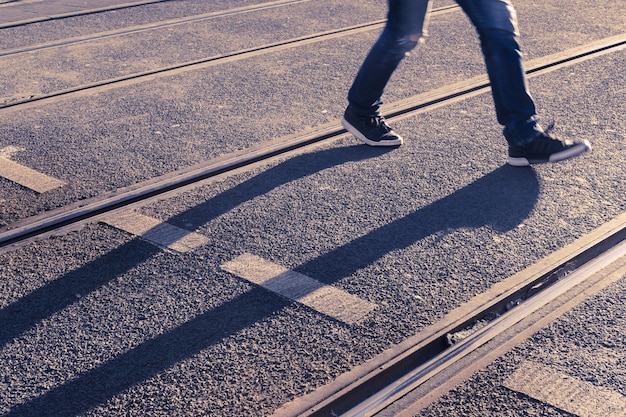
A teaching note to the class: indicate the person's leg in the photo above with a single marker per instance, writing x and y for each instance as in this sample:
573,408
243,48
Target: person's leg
406,25
496,24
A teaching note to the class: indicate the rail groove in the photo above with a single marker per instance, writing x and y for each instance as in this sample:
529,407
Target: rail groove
432,353
214,60
83,12
150,26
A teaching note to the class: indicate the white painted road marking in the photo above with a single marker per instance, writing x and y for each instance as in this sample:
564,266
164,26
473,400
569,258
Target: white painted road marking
156,231
25,176
566,392
298,287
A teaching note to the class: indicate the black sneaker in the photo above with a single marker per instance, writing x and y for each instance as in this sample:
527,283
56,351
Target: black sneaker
545,148
372,130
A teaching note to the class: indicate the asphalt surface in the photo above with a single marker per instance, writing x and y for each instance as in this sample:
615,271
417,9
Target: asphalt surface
97,321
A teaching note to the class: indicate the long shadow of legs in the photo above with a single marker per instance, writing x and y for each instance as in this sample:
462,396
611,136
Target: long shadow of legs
290,170
502,199
57,295
95,387
29,310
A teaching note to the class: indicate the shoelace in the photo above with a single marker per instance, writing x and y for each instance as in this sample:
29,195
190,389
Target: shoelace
379,123
550,143
546,131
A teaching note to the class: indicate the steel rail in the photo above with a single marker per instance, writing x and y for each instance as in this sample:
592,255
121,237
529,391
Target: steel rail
83,12
431,354
149,26
59,218
610,253
91,208
214,60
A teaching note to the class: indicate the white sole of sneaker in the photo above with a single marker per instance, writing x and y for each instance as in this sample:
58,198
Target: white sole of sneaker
517,162
571,152
367,141
557,157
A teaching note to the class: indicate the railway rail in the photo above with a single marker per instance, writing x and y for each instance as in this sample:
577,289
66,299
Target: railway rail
434,364
214,60
82,12
141,28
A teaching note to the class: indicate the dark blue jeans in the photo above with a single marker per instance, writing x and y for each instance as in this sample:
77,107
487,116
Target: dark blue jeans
496,24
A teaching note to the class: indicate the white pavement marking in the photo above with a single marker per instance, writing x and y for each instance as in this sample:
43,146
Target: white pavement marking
566,392
298,287
156,231
27,177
